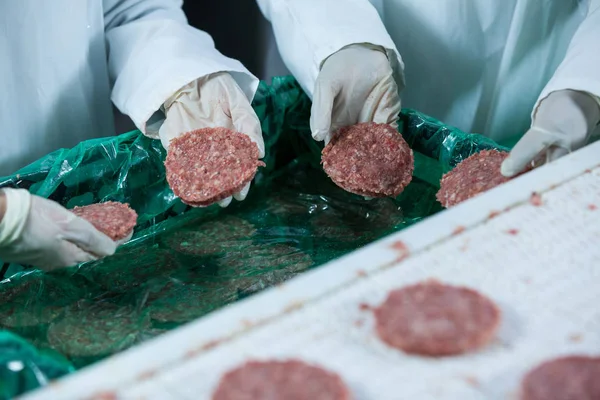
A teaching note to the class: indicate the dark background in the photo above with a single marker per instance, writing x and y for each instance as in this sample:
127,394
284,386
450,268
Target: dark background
240,31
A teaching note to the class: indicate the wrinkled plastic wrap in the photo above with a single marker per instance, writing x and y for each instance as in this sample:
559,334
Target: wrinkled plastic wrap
23,367
184,263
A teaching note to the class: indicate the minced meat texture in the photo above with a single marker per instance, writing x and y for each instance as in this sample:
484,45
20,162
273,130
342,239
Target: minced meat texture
96,329
289,380
34,300
565,378
115,220
208,165
434,319
474,175
212,237
369,159
182,303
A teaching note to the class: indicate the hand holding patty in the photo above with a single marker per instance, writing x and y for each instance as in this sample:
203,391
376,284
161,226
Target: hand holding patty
563,122
355,85
39,232
214,101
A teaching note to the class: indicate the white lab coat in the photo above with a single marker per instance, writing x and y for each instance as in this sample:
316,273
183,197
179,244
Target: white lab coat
62,61
480,65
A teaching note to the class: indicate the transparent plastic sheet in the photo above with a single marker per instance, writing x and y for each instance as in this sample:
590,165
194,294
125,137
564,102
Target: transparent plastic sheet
184,263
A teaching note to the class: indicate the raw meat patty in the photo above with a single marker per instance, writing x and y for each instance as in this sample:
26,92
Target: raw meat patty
289,380
369,159
183,303
212,237
115,220
474,175
566,378
34,300
434,319
208,165
90,329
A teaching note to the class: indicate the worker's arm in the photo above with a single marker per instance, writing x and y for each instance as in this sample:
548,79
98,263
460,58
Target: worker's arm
39,232
343,57
309,31
568,110
163,68
153,52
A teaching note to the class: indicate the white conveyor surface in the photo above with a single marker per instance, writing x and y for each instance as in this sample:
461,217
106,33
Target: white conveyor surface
541,264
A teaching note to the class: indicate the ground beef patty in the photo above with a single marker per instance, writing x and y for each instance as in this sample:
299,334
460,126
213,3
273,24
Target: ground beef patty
115,220
290,380
212,237
208,165
90,329
182,303
119,274
258,267
369,159
34,300
434,319
474,175
571,377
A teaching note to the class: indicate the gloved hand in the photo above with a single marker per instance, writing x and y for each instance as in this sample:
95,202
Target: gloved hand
355,85
39,232
563,123
213,101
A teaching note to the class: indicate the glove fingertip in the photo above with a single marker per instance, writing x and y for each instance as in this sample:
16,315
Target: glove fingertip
125,239
321,135
85,236
225,202
104,246
261,147
242,194
71,255
508,168
100,244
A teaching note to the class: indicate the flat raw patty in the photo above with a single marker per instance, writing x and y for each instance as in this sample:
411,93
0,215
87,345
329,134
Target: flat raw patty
474,175
212,237
289,380
182,303
119,274
369,159
208,165
115,220
566,378
258,267
96,329
434,319
34,300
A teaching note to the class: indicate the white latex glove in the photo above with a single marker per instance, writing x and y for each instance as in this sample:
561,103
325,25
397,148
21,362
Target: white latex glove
563,123
40,232
355,85
213,101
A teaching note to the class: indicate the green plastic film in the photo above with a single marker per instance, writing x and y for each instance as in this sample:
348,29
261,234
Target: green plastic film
184,263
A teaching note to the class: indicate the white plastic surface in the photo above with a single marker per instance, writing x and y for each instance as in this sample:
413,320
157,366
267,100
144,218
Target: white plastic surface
541,264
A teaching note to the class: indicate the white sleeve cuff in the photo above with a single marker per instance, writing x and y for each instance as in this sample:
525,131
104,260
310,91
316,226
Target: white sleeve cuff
579,69
18,204
151,60
581,85
309,31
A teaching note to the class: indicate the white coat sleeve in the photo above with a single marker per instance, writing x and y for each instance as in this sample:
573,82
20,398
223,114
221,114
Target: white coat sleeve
580,69
153,52
309,31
